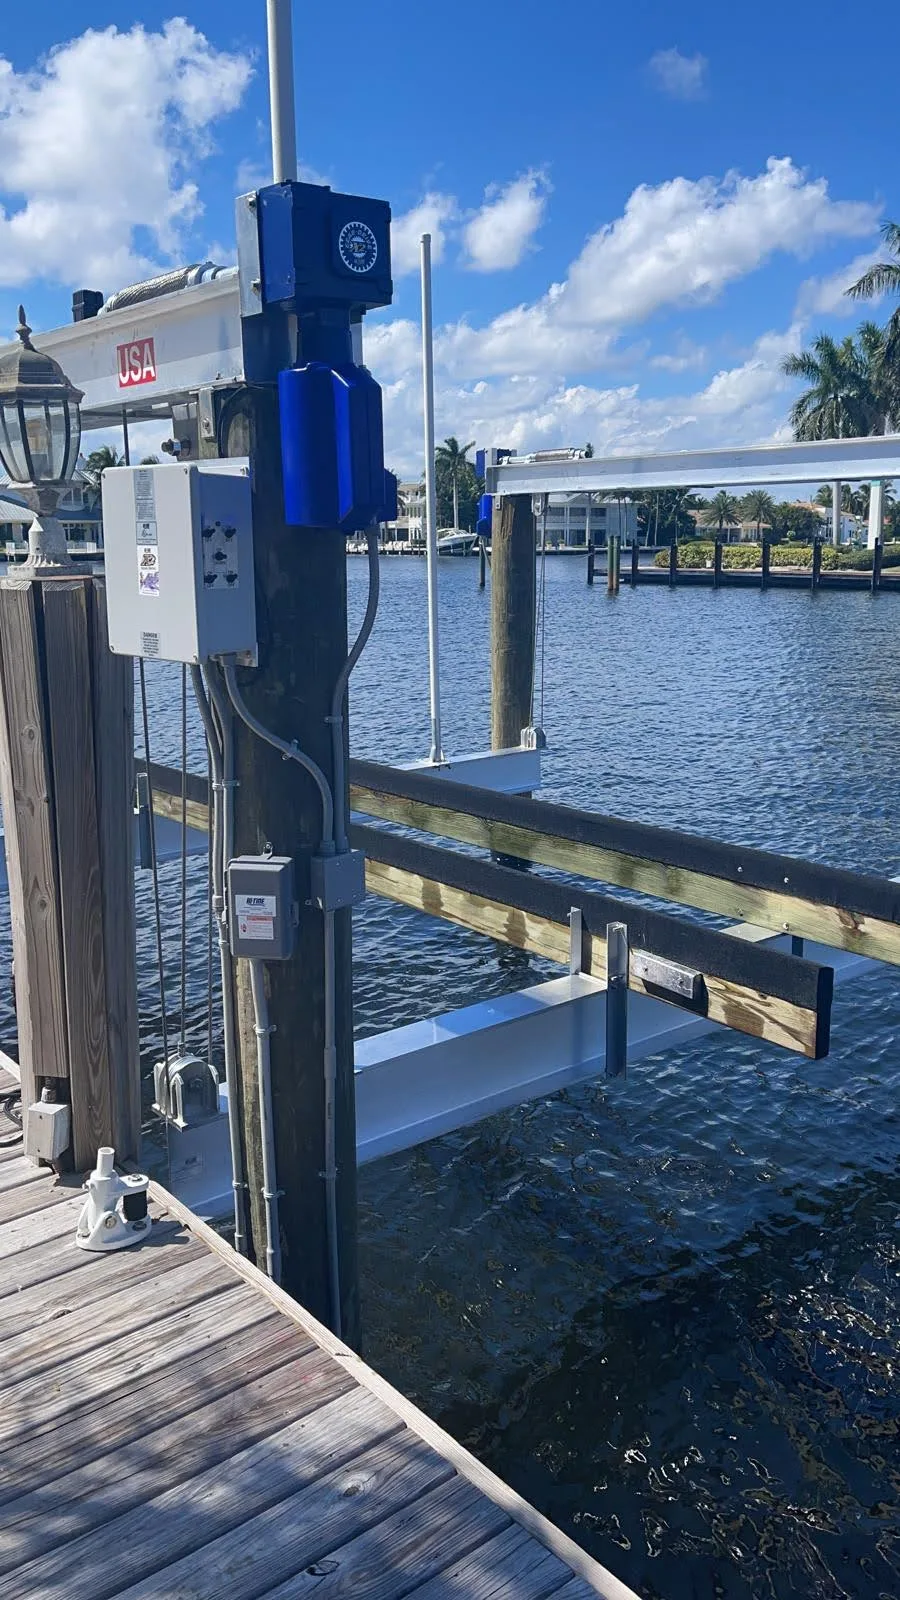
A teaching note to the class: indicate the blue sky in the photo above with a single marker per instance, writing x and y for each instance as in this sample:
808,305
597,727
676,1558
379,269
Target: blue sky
637,211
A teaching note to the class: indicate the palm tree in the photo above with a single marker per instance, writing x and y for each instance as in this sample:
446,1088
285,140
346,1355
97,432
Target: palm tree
451,455
95,466
884,278
759,507
722,508
840,402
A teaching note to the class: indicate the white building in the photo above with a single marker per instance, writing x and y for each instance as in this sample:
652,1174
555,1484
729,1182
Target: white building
583,519
409,526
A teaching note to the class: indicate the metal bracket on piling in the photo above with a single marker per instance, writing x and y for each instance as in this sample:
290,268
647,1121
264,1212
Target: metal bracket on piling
576,941
616,999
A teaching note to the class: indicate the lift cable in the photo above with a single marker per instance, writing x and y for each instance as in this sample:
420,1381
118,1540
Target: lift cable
183,994
154,871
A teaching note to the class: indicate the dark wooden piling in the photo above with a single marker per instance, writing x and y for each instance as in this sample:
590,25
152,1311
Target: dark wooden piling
482,564
816,564
590,567
717,564
635,561
766,557
513,600
877,559
673,563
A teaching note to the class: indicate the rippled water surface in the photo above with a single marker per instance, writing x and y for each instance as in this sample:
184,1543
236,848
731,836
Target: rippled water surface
665,1310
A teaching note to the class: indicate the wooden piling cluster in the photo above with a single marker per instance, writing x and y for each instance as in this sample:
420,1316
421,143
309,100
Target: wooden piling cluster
66,777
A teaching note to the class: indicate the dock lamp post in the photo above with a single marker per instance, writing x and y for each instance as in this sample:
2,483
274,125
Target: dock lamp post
40,435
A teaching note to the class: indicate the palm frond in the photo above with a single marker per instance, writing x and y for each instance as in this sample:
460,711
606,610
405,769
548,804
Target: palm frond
883,278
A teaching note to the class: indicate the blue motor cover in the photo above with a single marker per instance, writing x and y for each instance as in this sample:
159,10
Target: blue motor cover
332,447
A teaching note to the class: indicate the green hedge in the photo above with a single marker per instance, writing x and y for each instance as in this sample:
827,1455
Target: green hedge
700,553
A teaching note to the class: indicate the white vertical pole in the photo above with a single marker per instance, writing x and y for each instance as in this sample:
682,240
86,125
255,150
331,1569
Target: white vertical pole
281,91
434,648
876,513
836,514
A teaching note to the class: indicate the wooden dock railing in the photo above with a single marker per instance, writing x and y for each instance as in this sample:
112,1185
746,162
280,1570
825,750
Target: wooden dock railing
741,984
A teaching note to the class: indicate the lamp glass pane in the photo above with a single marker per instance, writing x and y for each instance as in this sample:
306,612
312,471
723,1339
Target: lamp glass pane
74,439
40,442
56,415
15,461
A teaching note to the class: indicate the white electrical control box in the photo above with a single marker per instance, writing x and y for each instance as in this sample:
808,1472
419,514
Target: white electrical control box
178,544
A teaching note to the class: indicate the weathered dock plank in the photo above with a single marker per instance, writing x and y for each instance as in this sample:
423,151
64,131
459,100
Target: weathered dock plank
173,1425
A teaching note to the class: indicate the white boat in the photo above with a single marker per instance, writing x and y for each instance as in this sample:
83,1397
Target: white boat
456,542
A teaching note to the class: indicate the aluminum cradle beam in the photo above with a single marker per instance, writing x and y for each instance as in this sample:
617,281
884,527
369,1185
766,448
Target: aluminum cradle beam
816,461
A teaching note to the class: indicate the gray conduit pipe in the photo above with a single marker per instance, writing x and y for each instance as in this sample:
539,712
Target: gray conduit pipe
270,1191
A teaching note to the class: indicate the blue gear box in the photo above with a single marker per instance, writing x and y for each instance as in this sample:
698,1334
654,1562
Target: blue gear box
320,248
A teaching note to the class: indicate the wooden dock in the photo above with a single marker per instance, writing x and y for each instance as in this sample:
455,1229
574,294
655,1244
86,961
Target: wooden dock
174,1425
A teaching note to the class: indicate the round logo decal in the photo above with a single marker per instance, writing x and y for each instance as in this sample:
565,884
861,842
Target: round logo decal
357,247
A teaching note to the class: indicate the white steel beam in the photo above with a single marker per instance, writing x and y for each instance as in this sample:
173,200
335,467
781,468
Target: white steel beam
816,461
195,341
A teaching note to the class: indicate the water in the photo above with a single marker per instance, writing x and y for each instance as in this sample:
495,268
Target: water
666,1310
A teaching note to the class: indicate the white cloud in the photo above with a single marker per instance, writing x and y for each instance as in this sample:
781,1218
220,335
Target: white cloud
683,77
678,243
94,145
828,296
499,234
431,215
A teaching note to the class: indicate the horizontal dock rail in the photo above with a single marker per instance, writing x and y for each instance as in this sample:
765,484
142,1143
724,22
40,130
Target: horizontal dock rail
764,993
846,910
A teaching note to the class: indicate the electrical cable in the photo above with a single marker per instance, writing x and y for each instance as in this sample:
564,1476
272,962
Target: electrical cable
270,1192
221,756
154,870
7,1102
340,688
291,752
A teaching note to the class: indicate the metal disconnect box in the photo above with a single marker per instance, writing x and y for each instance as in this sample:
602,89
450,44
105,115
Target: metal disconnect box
178,546
261,907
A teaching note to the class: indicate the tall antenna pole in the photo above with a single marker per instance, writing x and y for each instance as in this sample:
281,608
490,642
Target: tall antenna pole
281,91
434,686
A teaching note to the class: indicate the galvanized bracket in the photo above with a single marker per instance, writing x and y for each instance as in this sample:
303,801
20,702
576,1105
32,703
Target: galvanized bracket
576,941
667,978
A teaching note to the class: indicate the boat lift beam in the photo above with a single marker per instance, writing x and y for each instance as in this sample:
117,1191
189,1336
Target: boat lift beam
814,461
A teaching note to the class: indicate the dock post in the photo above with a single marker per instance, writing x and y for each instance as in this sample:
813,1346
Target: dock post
301,586
482,564
877,558
766,557
717,564
66,781
612,564
513,602
635,561
590,567
816,564
673,563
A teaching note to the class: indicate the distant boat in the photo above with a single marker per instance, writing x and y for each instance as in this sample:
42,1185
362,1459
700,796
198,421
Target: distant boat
456,543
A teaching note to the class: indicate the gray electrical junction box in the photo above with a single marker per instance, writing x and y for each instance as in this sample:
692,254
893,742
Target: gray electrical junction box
262,909
178,558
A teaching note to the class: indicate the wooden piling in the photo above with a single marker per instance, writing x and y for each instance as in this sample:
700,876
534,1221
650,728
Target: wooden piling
717,564
612,564
816,564
635,561
765,562
673,563
513,599
66,755
877,559
482,564
301,608
590,566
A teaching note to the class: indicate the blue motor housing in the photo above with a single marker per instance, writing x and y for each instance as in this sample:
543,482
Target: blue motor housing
485,513
332,447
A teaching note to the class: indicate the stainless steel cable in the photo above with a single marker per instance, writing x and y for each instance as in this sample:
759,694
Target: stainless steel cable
183,995
157,912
